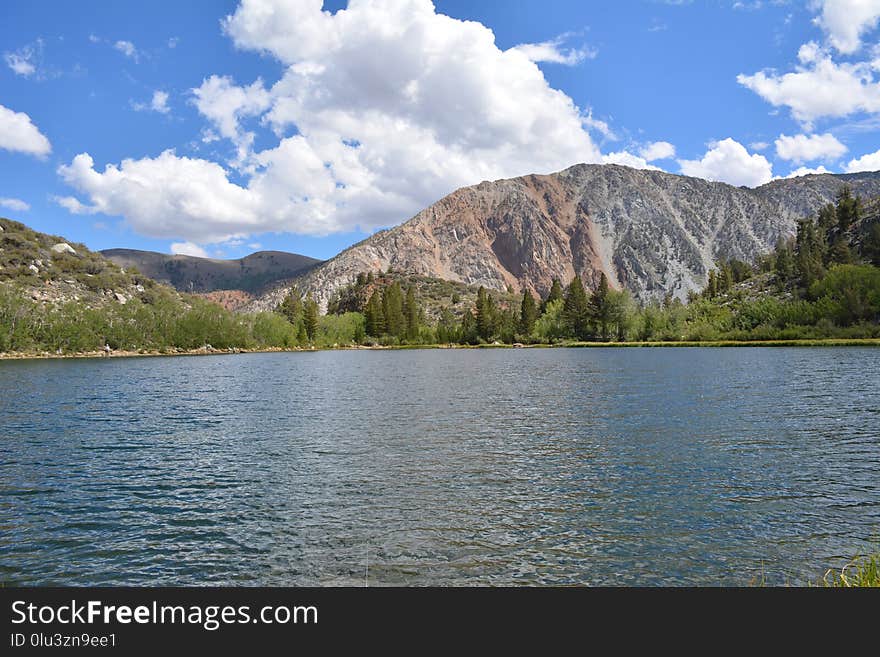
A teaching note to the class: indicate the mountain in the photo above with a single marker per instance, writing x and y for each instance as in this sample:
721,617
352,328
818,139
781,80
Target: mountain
651,232
252,274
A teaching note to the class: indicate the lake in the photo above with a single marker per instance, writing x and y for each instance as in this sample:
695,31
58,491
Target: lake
440,467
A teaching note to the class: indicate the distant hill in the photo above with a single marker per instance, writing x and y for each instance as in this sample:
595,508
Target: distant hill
252,274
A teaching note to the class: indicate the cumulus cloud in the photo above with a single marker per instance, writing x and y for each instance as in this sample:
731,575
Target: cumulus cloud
627,159
869,162
846,21
74,205
127,48
658,150
226,105
18,133
729,161
818,87
189,249
806,148
165,196
159,103
554,52
383,108
805,171
14,204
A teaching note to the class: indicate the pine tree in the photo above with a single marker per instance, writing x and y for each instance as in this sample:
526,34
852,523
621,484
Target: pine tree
848,208
784,261
575,310
528,313
711,290
310,318
468,331
301,336
555,294
374,317
291,307
412,314
808,258
600,309
392,307
725,278
871,245
486,319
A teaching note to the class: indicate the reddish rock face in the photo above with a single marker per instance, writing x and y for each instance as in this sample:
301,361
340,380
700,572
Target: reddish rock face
650,232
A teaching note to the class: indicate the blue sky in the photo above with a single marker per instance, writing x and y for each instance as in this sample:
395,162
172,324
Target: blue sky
219,128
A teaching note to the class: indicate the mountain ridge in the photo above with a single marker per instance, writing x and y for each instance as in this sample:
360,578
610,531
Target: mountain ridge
252,274
652,232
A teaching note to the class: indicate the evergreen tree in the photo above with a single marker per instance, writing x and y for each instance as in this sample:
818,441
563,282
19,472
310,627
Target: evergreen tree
310,318
486,314
871,245
808,259
528,313
291,307
600,309
784,264
412,314
575,310
711,290
468,333
725,278
848,208
392,307
374,316
555,294
301,336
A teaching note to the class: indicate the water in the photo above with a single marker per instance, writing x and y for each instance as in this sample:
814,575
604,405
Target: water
543,466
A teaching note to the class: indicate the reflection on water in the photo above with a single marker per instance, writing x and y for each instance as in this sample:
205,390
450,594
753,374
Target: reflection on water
562,466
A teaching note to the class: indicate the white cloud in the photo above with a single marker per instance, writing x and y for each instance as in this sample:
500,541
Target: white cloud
26,60
627,159
166,196
806,148
225,104
20,64
869,162
14,204
18,133
553,52
759,145
806,171
255,246
74,205
189,249
819,87
729,161
127,48
846,21
159,103
598,125
658,150
383,108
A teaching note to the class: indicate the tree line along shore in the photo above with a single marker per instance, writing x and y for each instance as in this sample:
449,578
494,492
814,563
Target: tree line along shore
821,287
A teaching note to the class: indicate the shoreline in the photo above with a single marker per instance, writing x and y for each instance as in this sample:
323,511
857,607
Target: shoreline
148,353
